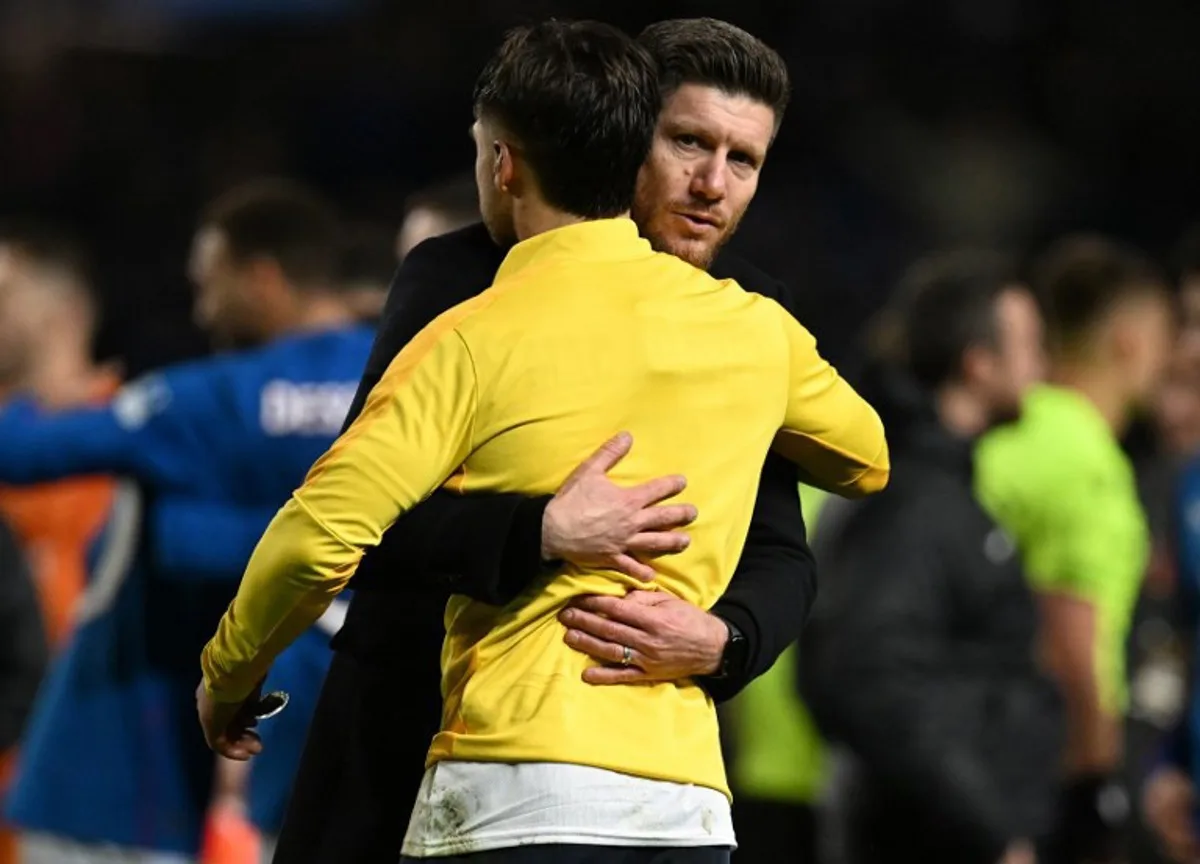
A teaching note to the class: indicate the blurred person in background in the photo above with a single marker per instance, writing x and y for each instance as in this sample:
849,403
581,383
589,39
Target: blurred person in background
48,320
1187,265
439,208
366,265
1177,408
1169,803
112,770
920,656
724,95
1064,489
23,657
535,772
778,762
249,800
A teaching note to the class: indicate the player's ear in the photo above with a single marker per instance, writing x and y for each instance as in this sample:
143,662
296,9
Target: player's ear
504,167
1122,338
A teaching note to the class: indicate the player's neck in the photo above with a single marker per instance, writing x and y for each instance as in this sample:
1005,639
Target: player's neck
1100,386
65,377
532,216
313,312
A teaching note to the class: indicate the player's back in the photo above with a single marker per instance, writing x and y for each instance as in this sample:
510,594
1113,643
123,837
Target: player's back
697,370
585,333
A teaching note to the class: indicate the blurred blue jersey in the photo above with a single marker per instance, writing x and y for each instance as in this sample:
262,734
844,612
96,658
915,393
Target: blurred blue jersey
115,754
1183,746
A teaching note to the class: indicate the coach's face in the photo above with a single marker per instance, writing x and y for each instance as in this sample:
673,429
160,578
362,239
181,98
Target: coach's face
702,171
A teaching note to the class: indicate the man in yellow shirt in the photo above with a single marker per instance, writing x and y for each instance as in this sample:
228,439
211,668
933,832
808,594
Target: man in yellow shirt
586,331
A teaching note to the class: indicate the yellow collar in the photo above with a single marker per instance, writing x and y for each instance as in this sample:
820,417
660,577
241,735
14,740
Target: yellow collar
594,240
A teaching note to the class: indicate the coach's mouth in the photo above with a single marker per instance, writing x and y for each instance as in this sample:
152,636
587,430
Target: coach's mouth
700,221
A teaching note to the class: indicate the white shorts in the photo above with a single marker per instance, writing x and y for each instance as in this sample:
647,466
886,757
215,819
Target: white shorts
48,849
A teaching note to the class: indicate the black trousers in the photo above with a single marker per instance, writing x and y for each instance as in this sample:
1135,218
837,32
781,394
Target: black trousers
771,832
364,757
564,854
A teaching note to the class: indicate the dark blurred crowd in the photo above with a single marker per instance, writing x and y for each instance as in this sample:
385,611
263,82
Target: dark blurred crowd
1000,657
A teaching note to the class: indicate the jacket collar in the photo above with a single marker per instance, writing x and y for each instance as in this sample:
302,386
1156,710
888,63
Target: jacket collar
594,240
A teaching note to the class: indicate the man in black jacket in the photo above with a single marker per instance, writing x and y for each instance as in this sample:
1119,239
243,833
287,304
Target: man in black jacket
352,793
919,657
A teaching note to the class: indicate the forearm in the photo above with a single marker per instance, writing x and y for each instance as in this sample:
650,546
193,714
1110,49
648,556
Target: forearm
1069,647
297,569
205,540
486,547
39,448
1093,735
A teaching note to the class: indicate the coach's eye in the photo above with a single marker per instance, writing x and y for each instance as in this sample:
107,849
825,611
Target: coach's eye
687,140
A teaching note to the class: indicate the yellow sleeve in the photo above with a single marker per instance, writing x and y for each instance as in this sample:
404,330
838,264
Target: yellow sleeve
414,431
833,435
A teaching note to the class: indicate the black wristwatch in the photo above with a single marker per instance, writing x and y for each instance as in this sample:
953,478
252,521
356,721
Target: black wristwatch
734,655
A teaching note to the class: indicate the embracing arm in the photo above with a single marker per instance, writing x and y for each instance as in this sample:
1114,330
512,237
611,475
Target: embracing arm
832,434
154,430
414,431
487,547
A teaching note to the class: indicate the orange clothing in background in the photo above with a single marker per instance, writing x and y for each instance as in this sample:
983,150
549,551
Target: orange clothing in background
8,838
56,523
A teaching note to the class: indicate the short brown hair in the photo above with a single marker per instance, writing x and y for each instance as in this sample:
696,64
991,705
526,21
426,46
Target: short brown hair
717,54
456,198
945,305
581,99
283,221
1079,279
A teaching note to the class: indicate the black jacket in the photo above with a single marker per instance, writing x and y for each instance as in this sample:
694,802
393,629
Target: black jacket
23,649
919,658
489,546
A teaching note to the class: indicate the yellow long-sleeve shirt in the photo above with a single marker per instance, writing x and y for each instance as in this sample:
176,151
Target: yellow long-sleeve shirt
585,332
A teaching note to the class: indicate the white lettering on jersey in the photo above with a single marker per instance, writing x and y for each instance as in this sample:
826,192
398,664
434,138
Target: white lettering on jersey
292,408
